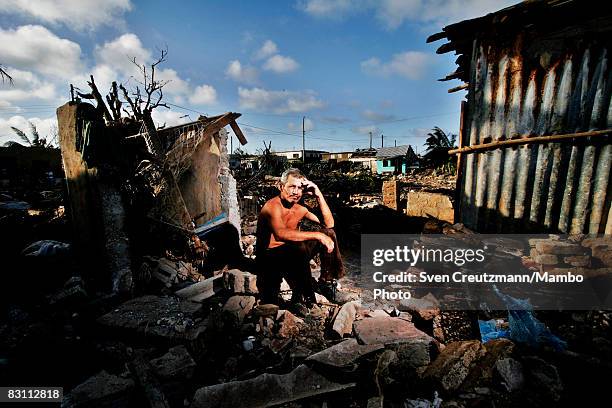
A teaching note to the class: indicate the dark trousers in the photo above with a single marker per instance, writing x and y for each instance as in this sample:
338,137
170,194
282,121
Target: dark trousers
292,262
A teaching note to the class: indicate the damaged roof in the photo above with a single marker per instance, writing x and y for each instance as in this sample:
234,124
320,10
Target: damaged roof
528,17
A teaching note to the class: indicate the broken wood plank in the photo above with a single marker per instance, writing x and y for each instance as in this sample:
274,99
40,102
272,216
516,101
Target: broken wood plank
238,132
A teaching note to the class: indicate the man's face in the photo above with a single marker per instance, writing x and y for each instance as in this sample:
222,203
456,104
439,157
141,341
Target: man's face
292,190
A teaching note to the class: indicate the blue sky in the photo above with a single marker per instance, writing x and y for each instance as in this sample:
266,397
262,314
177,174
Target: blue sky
349,67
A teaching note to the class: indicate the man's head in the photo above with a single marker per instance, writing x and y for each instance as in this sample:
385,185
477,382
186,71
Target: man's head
291,185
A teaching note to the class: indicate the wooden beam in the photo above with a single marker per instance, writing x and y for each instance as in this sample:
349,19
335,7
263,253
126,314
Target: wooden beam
529,140
238,132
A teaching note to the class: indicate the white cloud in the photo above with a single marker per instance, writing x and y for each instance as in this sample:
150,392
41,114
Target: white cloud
203,95
119,53
44,126
75,14
278,101
308,125
267,49
280,64
377,116
236,71
330,8
394,13
27,85
35,48
167,117
409,64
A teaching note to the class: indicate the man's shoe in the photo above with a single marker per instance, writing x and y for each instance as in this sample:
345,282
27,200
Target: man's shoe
328,289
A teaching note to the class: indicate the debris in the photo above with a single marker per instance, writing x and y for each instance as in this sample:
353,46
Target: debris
46,248
101,390
153,316
343,324
237,281
239,306
543,376
142,371
176,365
511,373
344,355
202,290
267,390
289,324
524,326
424,204
388,330
453,365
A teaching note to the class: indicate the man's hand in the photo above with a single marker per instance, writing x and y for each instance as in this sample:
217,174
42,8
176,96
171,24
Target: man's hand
327,241
311,188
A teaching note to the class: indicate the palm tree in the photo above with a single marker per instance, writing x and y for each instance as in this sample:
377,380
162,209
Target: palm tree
34,140
438,144
4,75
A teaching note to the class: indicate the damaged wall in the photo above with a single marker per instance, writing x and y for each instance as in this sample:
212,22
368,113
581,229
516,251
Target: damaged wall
207,186
535,69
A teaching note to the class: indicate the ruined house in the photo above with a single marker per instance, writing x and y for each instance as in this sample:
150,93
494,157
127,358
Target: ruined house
534,149
126,202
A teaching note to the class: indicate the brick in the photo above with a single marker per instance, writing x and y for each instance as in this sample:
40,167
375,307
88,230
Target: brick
547,259
559,248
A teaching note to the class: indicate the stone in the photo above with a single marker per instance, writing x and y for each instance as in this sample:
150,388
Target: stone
240,306
289,325
547,259
559,248
101,390
484,368
267,390
511,373
344,355
543,376
176,364
423,204
388,330
202,290
375,402
343,323
454,363
157,317
424,308
237,281
578,260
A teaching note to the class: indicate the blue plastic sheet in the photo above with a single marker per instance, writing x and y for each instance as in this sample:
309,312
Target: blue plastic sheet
490,331
524,327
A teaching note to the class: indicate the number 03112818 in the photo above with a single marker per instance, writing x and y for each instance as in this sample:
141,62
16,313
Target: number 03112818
31,394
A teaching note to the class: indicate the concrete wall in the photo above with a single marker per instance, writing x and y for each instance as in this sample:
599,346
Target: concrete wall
423,204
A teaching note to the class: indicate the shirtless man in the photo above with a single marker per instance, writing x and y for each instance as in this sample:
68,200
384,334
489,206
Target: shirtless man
283,251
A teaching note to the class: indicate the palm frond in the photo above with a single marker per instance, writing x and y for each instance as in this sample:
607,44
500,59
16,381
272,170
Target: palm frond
21,135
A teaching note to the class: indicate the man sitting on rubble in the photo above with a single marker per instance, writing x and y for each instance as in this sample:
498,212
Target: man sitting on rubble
283,251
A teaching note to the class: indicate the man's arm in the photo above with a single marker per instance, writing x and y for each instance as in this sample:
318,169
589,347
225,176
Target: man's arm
328,218
282,233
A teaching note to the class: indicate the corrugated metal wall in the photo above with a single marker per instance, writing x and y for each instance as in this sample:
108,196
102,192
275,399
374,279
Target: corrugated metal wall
538,187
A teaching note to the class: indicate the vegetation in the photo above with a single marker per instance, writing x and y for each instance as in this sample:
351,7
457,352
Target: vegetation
34,140
438,144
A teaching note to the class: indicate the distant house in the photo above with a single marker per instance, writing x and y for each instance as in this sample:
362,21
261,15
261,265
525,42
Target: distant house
311,155
337,157
244,164
367,158
396,159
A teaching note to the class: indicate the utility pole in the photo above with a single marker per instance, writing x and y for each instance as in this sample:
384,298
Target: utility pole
303,140
231,144
382,140
370,140
395,141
